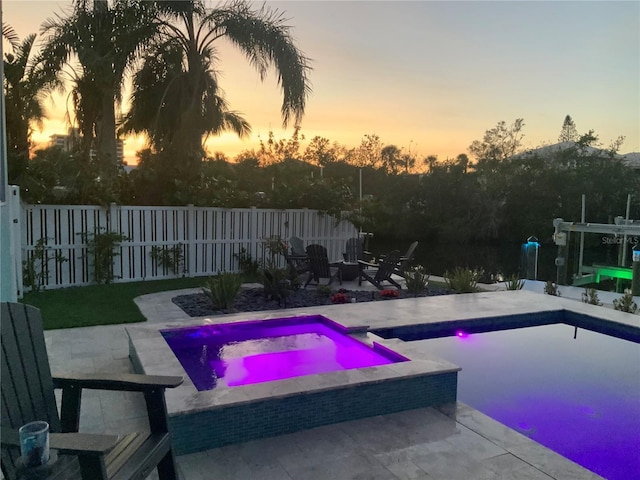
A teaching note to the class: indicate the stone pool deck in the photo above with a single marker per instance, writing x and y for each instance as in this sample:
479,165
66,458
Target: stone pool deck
448,442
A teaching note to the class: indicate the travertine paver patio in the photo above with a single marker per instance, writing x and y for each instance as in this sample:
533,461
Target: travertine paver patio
453,442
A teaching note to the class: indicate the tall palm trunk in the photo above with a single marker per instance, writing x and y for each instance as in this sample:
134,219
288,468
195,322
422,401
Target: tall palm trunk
105,145
191,132
105,126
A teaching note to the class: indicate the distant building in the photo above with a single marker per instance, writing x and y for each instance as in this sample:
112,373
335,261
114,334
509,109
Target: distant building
70,140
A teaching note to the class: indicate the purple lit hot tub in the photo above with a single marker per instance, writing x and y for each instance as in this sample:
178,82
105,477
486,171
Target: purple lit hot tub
254,379
245,353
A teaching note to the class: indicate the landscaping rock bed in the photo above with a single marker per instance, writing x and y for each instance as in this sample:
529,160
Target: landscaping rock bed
254,300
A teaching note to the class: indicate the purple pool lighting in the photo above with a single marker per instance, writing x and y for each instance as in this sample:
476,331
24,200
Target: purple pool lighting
578,396
243,353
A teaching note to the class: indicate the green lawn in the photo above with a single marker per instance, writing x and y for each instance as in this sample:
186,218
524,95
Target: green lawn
105,304
99,304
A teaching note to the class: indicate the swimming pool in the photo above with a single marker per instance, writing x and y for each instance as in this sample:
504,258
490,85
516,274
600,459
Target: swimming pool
573,390
244,353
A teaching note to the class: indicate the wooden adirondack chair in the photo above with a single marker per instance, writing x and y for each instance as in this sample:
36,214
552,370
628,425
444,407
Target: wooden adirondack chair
383,270
354,251
405,260
28,395
320,267
297,247
297,259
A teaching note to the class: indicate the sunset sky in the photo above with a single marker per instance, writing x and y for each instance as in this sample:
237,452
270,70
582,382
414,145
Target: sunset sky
432,76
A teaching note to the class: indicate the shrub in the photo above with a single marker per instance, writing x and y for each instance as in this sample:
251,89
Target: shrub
101,248
463,280
339,298
323,290
590,296
551,288
416,280
223,289
169,258
246,263
275,246
275,281
625,303
389,293
514,283
293,277
35,269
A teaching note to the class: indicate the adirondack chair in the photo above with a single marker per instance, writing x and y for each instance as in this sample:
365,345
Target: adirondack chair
354,251
28,395
297,259
320,267
297,247
405,260
383,270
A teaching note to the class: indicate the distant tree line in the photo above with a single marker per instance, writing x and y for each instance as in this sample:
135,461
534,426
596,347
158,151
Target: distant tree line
505,194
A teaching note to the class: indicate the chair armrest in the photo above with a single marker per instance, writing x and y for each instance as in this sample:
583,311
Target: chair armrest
129,382
367,264
82,443
150,385
68,443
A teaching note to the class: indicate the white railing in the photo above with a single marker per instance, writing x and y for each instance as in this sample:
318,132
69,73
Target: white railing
207,240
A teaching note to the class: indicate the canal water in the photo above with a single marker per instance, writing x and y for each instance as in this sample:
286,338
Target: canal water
496,260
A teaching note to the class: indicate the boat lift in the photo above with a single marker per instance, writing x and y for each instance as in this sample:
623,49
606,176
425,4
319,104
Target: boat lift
626,233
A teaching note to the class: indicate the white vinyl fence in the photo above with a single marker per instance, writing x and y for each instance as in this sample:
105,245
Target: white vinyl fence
166,242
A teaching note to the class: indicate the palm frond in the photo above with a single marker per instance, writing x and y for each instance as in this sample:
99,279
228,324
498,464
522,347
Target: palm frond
9,34
265,40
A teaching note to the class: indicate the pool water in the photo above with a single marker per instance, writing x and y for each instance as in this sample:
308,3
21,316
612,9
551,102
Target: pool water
578,396
244,353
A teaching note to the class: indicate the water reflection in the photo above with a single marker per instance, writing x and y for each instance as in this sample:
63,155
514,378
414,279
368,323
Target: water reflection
499,261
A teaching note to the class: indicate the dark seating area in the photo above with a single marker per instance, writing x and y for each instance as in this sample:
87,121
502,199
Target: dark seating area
28,395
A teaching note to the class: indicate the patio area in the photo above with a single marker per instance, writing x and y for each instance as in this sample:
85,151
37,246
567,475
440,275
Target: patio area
449,442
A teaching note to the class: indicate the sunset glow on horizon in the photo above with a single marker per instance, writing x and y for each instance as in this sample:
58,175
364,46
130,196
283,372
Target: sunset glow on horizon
429,77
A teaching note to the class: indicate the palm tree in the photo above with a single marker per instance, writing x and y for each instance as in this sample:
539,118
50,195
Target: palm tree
105,41
177,99
26,83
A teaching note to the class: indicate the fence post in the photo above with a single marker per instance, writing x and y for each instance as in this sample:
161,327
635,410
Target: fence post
111,217
635,279
253,249
11,218
191,240
111,228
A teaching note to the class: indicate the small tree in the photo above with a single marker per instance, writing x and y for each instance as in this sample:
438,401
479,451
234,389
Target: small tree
101,249
35,269
568,132
499,143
